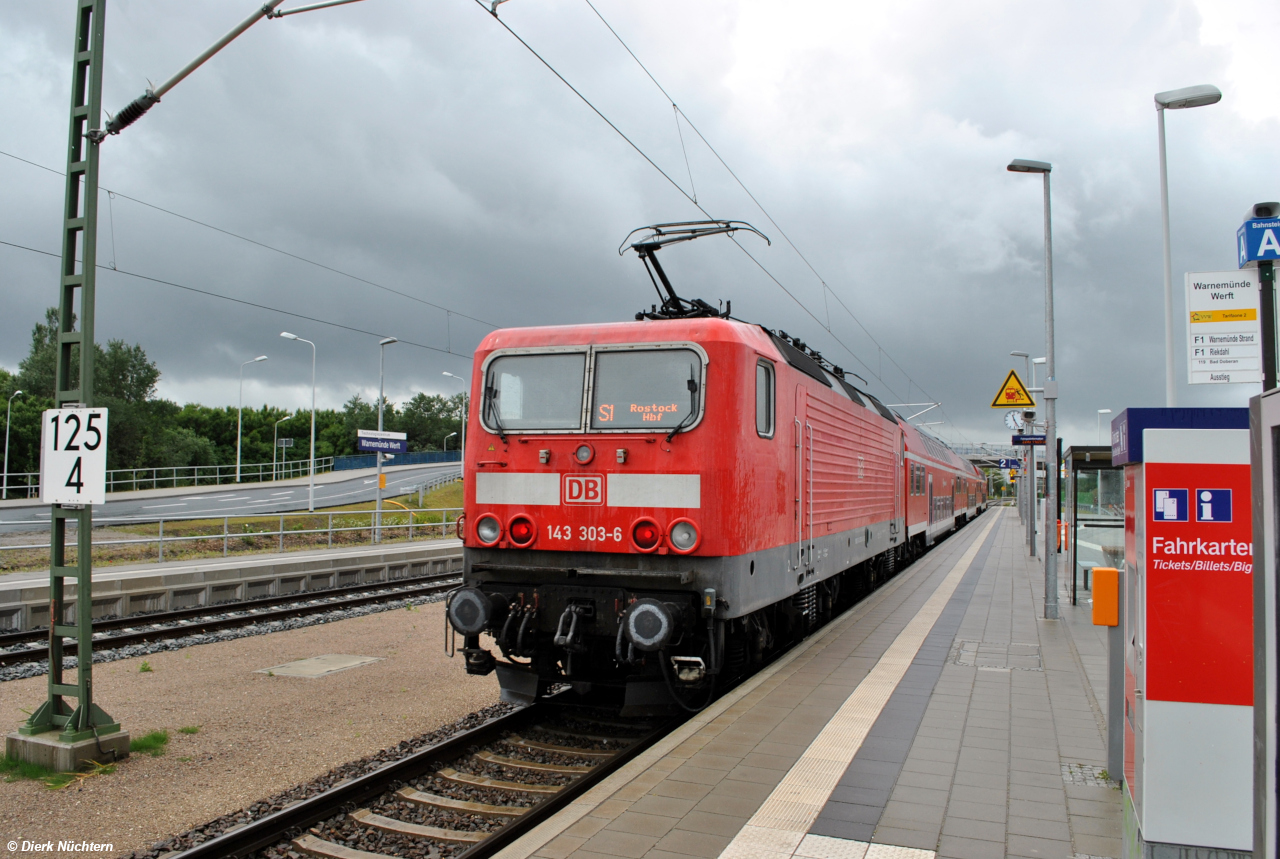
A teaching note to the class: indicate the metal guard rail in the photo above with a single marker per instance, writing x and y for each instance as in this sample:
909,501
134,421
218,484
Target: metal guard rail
447,515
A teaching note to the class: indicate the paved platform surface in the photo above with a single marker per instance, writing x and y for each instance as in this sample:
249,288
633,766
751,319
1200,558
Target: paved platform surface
943,716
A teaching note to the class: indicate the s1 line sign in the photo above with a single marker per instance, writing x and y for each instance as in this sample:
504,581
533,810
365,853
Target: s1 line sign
73,456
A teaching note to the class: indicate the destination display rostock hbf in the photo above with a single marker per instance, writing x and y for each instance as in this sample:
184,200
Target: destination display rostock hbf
1224,338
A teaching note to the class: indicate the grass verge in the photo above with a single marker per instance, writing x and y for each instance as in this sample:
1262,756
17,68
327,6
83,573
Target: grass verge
152,744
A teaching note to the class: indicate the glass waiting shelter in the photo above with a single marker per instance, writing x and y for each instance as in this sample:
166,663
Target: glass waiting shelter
1093,508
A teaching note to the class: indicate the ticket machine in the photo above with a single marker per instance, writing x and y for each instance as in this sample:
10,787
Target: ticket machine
1188,630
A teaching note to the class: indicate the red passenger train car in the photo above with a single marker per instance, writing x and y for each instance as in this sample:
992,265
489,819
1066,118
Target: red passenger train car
653,507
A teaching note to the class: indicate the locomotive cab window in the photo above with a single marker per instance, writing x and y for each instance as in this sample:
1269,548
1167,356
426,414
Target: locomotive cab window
534,392
646,389
764,399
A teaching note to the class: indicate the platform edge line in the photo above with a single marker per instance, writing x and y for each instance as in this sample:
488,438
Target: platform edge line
545,832
782,821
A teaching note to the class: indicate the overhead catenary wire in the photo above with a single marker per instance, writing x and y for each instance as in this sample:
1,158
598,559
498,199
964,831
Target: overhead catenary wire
242,301
825,286
263,245
826,327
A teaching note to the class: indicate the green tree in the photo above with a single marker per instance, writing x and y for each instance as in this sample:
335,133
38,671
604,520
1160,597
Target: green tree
428,419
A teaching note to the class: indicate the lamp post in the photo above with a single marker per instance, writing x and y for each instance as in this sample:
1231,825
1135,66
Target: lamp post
7,414
446,441
1028,524
311,483
1020,165
1177,99
275,444
382,360
462,442
240,412
1101,412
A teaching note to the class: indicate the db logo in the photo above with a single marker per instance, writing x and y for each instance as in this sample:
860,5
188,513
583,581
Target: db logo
584,489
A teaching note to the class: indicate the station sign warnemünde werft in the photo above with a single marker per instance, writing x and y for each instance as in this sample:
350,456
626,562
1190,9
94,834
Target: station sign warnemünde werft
383,442
1224,330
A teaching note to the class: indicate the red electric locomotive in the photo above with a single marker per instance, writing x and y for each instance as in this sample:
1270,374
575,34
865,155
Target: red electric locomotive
654,505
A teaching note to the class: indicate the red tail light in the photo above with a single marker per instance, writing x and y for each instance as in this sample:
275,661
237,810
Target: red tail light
645,534
521,531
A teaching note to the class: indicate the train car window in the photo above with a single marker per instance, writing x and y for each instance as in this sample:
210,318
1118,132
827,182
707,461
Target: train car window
646,389
764,399
535,392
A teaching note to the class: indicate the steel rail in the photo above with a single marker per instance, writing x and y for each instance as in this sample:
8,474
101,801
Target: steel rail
35,654
295,819
9,639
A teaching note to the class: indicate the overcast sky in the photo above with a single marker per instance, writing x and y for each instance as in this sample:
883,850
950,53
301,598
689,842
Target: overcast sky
420,147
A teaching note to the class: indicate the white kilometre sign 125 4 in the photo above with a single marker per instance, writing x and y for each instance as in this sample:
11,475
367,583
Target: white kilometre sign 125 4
73,456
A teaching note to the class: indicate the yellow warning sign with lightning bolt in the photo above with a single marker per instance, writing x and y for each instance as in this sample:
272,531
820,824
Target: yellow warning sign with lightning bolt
1012,393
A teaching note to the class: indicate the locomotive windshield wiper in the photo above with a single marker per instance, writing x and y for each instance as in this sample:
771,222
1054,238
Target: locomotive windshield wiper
491,411
693,407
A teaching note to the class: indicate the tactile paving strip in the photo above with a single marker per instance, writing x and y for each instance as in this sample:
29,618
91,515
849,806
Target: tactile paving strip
780,825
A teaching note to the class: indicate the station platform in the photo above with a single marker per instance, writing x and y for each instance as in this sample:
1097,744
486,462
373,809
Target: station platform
941,717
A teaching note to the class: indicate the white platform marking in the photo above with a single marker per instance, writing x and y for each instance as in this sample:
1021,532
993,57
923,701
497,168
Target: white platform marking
781,824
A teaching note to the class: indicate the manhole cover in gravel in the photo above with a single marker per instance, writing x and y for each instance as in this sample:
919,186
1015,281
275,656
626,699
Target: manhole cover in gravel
318,666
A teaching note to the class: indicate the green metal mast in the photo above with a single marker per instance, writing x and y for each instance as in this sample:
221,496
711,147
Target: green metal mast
74,385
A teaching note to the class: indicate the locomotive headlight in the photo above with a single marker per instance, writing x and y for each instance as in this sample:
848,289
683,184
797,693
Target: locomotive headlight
584,454
469,610
649,624
683,535
488,530
521,531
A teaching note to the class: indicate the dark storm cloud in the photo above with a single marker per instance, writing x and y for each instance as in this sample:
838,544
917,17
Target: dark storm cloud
419,146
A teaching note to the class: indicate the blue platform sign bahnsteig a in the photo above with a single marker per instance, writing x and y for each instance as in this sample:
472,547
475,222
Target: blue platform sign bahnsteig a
374,441
1258,239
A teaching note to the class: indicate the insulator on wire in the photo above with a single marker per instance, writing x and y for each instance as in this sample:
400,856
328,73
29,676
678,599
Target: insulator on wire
132,112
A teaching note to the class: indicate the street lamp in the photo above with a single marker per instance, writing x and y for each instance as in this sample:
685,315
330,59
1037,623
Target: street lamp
1029,518
275,443
1020,165
311,484
240,412
446,441
9,411
1101,412
1177,99
462,441
382,360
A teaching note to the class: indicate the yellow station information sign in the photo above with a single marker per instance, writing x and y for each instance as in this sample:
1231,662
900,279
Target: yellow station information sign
1012,393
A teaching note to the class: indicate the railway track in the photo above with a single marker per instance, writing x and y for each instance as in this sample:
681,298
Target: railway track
139,629
465,798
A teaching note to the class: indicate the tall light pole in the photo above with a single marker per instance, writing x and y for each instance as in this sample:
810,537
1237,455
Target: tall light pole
1028,520
382,360
7,414
462,446
240,412
1020,165
1177,99
1101,412
311,483
275,444
446,441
